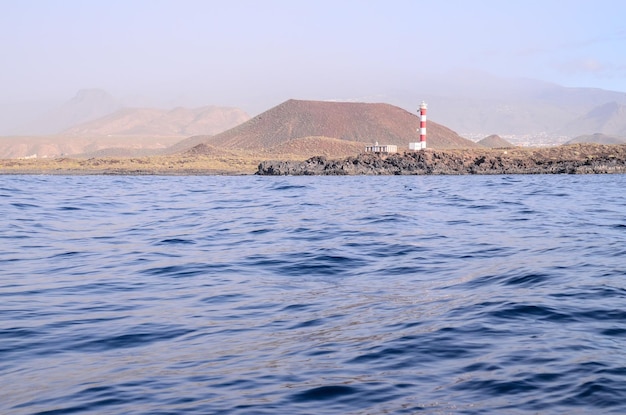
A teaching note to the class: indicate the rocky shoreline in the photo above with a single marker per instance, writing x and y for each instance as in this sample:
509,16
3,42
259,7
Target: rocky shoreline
567,159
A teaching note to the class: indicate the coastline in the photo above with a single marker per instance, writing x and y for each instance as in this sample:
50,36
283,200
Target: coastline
182,165
567,159
121,172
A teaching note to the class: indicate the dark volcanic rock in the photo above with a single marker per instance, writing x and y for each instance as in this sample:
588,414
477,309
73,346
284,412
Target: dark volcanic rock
572,159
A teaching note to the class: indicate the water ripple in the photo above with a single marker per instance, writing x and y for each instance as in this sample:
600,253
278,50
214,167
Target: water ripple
312,295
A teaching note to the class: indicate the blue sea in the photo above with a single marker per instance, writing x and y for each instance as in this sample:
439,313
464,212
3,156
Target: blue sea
313,295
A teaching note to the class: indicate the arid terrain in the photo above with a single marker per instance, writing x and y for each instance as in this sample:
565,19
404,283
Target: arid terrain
150,165
291,133
127,132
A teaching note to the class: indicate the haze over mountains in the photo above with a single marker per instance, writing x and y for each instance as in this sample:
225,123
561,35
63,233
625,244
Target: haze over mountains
93,121
609,118
598,138
474,105
469,102
86,105
157,122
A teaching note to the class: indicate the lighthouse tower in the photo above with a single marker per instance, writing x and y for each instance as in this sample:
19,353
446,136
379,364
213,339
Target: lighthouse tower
422,130
423,109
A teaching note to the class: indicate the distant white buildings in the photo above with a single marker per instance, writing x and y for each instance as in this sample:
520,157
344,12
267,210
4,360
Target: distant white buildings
381,149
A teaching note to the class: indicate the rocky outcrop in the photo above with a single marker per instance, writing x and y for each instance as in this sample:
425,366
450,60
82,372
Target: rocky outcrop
571,159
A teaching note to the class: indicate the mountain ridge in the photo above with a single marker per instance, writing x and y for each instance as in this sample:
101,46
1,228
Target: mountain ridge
86,105
608,118
597,138
184,122
472,103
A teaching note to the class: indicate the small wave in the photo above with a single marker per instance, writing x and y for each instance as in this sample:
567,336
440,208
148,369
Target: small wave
306,264
384,218
296,307
177,271
600,393
288,186
614,332
223,298
520,311
24,205
324,393
10,191
522,279
176,241
139,336
66,254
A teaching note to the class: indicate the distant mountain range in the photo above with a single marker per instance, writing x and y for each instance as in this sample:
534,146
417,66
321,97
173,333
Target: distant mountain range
477,105
94,112
474,104
86,105
469,105
609,118
597,138
94,123
183,122
60,146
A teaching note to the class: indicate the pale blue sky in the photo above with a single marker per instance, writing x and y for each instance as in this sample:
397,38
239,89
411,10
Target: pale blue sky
254,54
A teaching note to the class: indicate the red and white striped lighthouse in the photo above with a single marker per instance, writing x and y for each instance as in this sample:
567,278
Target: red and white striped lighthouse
423,109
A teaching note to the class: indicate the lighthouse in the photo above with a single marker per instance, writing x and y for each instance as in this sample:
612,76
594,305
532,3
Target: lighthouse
422,130
423,109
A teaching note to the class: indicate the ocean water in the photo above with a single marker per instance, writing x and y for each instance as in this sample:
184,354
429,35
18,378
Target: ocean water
313,295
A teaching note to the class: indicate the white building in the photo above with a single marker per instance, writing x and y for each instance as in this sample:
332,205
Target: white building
385,148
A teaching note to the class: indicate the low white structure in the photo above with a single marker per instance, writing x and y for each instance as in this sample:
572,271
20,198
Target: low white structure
417,146
385,148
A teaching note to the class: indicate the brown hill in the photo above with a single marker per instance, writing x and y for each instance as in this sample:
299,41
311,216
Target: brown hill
208,150
495,141
318,146
187,144
181,122
348,121
298,148
597,138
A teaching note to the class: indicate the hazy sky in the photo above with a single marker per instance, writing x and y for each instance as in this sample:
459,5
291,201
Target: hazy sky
254,53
